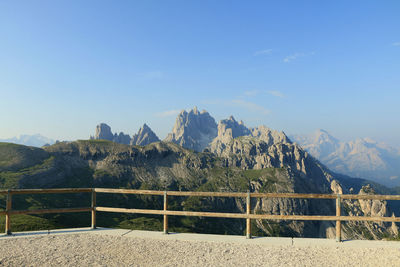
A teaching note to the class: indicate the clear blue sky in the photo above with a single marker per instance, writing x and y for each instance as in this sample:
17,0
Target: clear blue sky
296,66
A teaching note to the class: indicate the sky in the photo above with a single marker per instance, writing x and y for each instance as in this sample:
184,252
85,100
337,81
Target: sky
296,66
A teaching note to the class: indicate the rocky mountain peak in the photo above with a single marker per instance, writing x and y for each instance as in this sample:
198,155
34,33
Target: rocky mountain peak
321,136
103,131
230,128
193,130
144,137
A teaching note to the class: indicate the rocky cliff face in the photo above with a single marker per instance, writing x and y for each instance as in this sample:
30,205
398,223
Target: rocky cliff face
373,208
144,137
193,130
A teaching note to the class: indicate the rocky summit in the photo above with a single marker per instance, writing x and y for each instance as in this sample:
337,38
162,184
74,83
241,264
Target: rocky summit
193,130
144,137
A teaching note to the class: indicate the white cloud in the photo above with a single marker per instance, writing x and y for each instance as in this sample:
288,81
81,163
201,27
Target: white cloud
396,44
290,58
167,113
263,52
253,107
393,177
295,56
276,93
251,92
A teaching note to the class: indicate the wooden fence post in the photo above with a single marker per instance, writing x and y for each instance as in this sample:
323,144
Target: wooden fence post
93,207
248,208
165,215
8,209
338,223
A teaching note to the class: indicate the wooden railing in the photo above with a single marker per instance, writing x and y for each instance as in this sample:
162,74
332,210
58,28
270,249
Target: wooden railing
165,212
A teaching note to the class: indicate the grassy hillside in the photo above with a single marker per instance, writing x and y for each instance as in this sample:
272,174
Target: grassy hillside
15,157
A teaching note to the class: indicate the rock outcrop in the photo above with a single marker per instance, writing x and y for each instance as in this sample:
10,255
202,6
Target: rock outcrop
193,130
103,131
144,137
370,208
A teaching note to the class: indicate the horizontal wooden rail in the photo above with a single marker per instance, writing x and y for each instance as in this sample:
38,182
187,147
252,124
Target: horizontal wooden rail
46,211
250,216
235,194
50,191
128,191
205,194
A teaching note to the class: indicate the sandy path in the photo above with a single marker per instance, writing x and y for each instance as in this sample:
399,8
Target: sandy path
107,250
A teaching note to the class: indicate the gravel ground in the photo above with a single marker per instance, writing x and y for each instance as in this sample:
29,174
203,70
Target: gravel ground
107,250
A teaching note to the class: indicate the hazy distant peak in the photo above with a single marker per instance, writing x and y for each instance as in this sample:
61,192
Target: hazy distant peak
36,140
361,157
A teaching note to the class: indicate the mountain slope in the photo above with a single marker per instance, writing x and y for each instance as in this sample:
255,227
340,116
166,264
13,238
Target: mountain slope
161,166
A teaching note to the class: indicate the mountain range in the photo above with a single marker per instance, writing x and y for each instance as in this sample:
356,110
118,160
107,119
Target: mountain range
201,155
36,140
364,158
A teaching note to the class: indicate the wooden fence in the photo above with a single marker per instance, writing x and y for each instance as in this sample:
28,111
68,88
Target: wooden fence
165,212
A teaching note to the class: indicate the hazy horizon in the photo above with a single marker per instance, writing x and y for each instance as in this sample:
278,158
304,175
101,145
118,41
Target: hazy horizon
293,66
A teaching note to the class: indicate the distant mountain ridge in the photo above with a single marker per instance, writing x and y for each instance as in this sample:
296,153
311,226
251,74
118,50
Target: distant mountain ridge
199,131
144,136
36,140
364,158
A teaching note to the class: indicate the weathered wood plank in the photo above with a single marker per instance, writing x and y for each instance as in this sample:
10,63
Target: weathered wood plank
50,191
373,197
8,214
206,194
165,225
248,209
93,208
338,222
124,210
251,216
128,191
45,211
